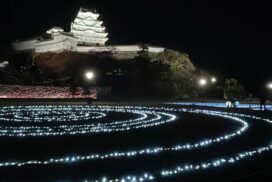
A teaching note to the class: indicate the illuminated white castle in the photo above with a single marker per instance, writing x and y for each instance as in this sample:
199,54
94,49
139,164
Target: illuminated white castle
87,34
88,29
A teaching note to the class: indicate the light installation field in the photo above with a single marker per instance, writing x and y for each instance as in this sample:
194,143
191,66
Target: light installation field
39,122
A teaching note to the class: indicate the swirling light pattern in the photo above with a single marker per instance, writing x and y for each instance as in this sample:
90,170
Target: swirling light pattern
142,117
24,114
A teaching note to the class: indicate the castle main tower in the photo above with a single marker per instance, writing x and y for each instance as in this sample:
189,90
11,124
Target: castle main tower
88,29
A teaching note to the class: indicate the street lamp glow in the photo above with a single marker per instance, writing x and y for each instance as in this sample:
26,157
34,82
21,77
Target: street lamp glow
202,82
213,80
89,75
269,85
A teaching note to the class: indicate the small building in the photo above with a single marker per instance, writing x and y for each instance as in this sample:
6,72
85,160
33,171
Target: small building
57,41
60,41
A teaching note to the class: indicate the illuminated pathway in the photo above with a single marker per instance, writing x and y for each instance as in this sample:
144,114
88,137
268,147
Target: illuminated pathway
219,105
57,121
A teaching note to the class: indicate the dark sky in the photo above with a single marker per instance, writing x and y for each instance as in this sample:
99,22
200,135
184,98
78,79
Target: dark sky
223,37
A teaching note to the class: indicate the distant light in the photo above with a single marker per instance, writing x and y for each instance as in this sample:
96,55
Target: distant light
269,85
213,79
89,75
202,82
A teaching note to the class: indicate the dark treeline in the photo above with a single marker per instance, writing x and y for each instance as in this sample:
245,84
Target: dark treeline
167,75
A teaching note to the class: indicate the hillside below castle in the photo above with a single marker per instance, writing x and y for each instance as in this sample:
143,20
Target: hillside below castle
62,58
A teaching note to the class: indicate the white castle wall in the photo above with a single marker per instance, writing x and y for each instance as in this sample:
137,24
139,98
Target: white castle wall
118,48
126,48
25,45
120,51
59,43
153,49
63,43
87,49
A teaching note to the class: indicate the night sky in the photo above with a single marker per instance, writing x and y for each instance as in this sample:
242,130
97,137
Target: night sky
224,38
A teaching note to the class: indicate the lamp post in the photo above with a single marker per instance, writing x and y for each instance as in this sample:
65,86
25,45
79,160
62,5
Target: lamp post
89,76
213,80
202,83
269,85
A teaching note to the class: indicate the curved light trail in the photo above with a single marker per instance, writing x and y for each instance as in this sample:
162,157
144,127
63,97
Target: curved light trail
139,117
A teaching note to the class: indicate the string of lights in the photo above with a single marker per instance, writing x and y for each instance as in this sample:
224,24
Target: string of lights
145,151
184,168
143,117
220,105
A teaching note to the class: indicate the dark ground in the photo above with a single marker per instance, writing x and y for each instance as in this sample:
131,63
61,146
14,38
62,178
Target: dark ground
188,128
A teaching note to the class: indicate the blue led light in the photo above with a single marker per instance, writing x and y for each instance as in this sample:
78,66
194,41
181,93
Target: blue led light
142,117
219,105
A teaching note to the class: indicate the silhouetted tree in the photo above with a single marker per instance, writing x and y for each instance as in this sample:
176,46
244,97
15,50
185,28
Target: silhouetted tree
233,88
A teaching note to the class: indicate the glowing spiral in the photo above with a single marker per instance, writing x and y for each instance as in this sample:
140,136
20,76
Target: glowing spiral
86,119
86,114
